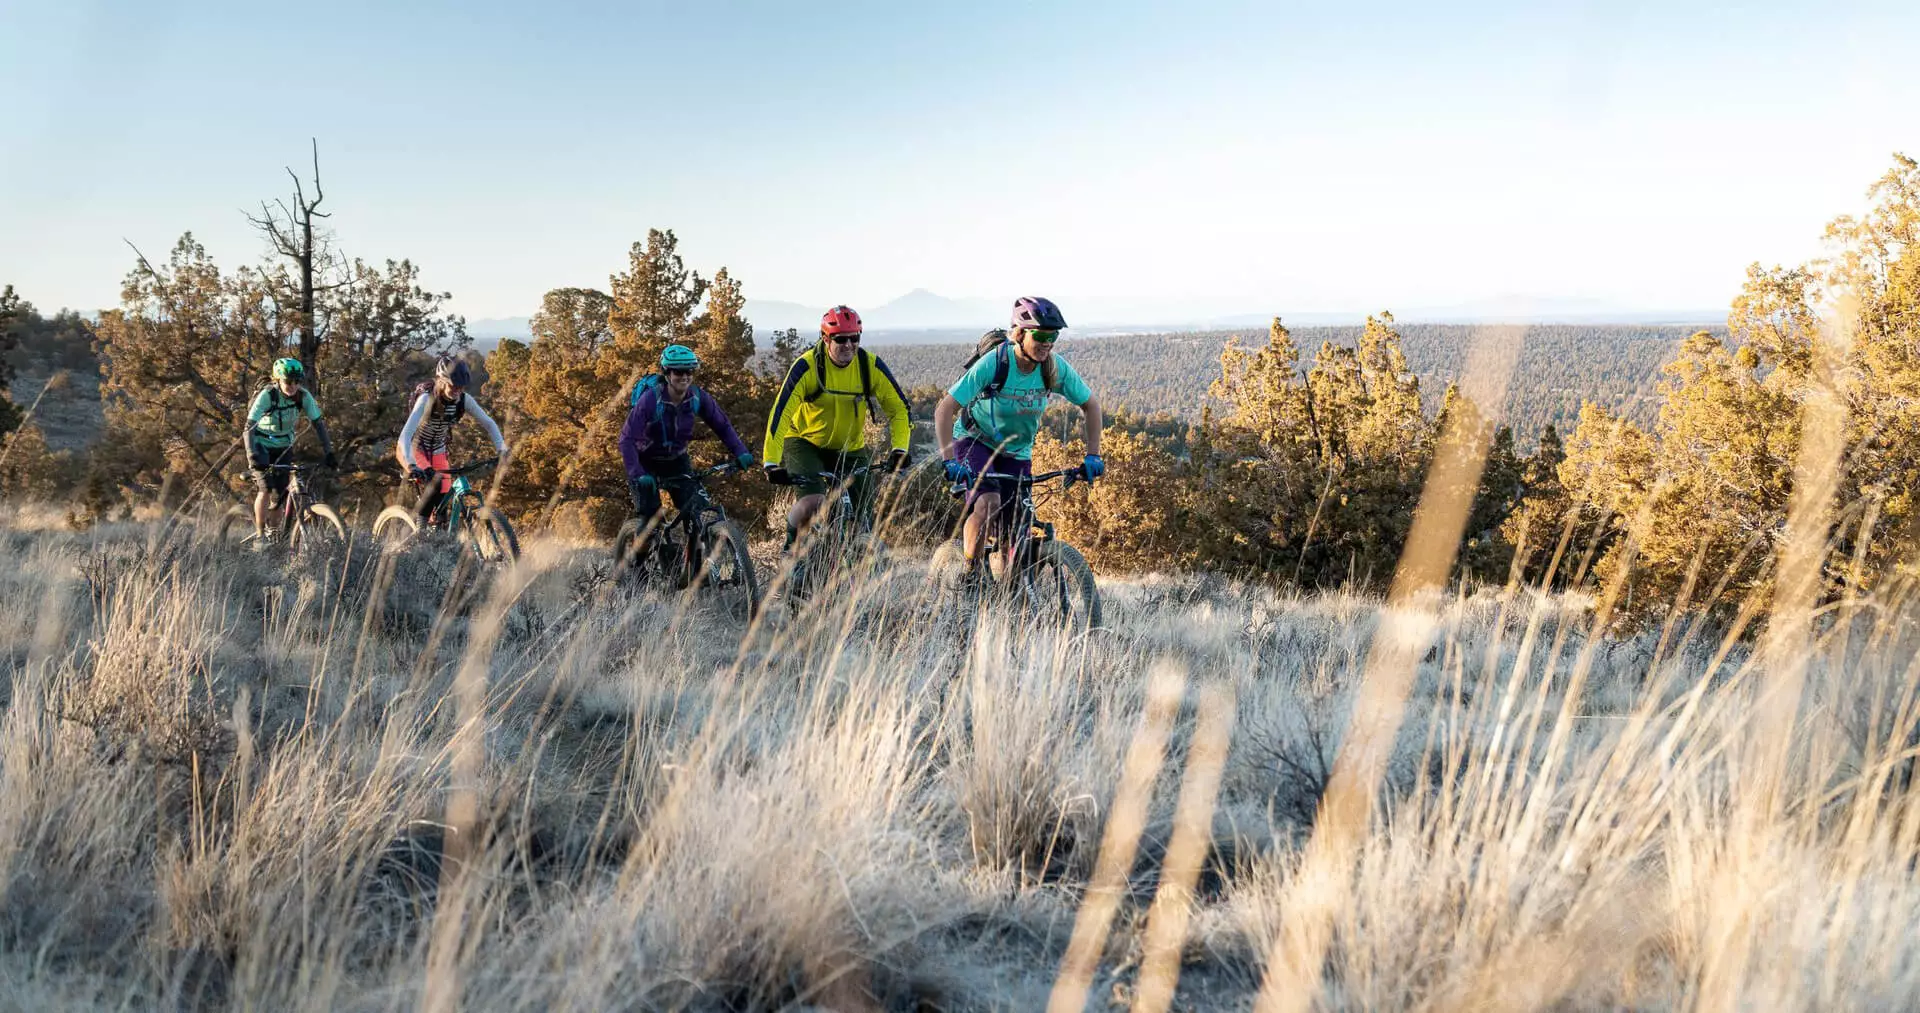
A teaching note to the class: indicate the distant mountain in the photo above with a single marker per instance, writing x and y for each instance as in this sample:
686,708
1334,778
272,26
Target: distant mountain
924,310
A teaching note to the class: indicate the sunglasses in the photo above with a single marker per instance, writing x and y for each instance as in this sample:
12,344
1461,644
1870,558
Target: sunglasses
679,372
1044,337
845,339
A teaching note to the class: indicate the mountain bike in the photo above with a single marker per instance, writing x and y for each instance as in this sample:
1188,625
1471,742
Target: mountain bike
695,547
839,544
463,512
1039,576
304,520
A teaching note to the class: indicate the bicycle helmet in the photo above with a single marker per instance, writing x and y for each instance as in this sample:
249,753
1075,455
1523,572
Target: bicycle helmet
288,369
453,371
679,357
1033,313
839,320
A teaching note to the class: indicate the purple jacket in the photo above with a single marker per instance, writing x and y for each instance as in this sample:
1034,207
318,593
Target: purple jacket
643,439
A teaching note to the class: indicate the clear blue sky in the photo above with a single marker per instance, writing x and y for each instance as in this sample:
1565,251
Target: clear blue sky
1129,159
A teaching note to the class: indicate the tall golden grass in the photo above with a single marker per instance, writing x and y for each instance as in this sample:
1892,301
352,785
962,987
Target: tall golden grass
347,781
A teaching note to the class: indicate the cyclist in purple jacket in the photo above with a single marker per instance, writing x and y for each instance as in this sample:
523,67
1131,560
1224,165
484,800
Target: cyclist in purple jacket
653,443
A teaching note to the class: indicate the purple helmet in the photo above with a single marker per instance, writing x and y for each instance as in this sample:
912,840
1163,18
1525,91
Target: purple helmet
1037,314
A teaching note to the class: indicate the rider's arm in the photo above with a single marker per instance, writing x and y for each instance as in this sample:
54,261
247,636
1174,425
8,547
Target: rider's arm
780,420
486,422
718,422
1076,391
635,436
254,413
403,449
943,416
893,402
1090,414
319,427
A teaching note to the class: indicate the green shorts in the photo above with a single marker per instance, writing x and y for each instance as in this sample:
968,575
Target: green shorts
806,463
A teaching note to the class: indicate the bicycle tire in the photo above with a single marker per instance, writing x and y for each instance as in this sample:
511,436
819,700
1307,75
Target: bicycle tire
395,526
322,520
235,527
491,536
624,562
736,587
1059,586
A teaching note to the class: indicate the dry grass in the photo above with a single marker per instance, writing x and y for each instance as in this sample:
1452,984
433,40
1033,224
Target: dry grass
360,784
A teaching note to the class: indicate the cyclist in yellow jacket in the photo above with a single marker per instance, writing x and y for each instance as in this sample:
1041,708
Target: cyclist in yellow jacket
819,420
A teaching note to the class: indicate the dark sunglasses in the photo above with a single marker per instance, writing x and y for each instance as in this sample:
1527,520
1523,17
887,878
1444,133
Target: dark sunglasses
679,372
1044,337
845,339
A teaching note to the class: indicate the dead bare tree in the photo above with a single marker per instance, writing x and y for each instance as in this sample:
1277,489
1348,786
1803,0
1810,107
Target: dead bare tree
290,230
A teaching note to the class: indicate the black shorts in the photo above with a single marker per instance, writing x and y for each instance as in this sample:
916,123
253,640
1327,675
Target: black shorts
260,459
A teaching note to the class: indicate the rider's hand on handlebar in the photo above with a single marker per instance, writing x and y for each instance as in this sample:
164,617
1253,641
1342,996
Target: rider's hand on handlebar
420,475
1093,467
743,462
777,475
958,472
331,461
897,461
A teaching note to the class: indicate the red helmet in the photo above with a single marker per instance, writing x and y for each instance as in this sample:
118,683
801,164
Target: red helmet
839,320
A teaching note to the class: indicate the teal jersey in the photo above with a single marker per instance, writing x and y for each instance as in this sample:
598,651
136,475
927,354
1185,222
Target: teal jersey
272,420
1011,420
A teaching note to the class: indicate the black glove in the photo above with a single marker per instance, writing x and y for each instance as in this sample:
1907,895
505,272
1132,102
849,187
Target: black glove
420,474
778,475
897,461
332,461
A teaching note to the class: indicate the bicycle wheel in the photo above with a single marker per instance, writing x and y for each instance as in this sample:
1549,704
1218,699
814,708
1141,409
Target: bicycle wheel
491,536
626,561
726,574
395,526
236,527
1057,588
320,526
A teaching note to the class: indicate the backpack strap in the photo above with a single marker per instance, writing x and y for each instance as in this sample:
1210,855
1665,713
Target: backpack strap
819,356
866,384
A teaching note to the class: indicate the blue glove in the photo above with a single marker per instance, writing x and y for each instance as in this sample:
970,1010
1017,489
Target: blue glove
1093,466
958,472
644,490
744,462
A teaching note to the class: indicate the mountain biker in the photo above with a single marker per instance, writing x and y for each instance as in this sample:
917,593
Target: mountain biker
983,430
817,424
653,443
422,447
269,433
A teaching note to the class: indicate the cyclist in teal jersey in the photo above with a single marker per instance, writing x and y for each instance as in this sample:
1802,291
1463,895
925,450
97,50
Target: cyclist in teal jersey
988,419
272,423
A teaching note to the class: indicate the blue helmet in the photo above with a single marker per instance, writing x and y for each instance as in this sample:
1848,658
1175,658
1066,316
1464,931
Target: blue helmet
679,357
1033,313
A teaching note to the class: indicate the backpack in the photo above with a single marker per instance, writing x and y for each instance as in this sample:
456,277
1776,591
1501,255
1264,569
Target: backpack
278,402
995,343
650,382
654,381
865,358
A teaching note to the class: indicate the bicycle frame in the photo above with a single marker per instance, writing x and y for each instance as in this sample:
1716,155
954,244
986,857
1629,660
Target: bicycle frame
700,513
1023,524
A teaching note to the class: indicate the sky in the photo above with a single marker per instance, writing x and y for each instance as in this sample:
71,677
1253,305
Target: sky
1135,161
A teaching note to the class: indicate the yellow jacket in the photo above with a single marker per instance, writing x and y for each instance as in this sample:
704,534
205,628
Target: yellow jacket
830,415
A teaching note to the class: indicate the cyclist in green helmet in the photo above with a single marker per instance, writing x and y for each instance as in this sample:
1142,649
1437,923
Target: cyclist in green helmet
272,423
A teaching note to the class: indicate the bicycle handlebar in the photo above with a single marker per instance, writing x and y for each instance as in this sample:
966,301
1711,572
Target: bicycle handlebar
1072,475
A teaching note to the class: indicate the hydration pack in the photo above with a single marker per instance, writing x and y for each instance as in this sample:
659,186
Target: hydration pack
865,358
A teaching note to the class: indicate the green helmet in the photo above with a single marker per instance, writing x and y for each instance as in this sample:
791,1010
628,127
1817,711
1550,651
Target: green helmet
679,357
288,369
